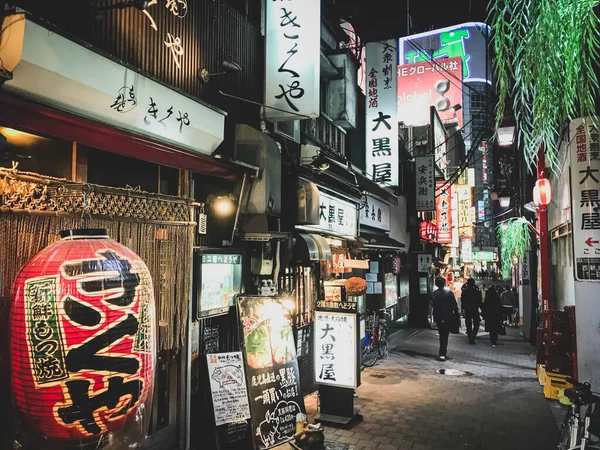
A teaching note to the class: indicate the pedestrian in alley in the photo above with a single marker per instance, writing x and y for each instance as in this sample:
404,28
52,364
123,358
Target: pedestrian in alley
445,310
471,302
508,303
493,314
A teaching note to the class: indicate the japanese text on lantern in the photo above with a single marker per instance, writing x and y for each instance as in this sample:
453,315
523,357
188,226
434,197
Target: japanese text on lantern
44,336
443,208
382,112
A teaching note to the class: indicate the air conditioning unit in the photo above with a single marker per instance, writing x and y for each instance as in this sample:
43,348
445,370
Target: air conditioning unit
289,129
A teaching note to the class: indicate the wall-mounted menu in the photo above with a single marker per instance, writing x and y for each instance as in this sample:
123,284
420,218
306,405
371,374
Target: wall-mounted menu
271,369
228,387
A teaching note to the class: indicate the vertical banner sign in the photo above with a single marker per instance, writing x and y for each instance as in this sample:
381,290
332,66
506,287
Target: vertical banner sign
382,112
466,212
455,229
271,370
336,349
292,62
466,250
443,208
584,151
228,387
425,180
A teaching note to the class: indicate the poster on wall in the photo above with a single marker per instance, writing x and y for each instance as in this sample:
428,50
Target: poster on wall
228,387
292,62
336,349
584,152
271,369
382,163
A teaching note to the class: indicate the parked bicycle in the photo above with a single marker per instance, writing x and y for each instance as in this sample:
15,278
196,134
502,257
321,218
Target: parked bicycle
576,432
375,337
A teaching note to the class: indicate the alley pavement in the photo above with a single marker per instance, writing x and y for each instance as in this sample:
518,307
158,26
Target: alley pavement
406,405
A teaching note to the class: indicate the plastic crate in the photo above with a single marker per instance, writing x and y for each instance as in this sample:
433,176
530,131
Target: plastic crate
540,371
555,384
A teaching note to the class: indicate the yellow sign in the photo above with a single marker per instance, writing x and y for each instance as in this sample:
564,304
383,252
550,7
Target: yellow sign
466,211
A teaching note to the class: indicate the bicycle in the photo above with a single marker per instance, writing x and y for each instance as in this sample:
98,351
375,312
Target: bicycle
376,338
571,436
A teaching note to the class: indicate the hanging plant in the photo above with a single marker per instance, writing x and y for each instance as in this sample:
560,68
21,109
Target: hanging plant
515,240
544,52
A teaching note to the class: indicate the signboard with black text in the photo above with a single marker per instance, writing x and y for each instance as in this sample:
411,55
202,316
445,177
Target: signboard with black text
336,216
425,182
374,213
272,371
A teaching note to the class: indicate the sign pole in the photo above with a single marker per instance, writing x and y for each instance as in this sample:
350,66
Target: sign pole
544,254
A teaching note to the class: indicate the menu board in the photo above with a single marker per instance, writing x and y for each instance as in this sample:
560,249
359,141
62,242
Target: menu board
272,371
211,339
221,281
228,387
336,349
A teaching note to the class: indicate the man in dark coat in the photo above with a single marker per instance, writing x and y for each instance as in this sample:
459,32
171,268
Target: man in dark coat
444,305
493,314
470,304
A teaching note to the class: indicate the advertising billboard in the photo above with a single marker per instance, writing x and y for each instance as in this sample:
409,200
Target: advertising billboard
430,83
467,41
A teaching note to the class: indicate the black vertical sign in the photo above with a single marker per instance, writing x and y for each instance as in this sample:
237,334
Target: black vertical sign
271,370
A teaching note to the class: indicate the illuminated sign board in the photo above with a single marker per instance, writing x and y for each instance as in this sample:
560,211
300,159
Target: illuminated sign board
443,207
425,182
485,256
430,83
292,60
466,212
335,349
467,41
438,140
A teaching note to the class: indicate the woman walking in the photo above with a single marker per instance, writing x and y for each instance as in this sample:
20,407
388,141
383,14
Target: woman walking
493,314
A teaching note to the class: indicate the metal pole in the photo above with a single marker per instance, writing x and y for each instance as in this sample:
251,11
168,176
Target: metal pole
544,253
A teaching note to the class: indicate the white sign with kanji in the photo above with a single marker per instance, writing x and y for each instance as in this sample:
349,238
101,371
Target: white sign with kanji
584,153
382,112
336,349
425,182
374,213
424,262
336,216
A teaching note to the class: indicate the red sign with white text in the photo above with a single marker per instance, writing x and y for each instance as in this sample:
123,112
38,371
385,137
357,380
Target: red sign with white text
430,83
443,210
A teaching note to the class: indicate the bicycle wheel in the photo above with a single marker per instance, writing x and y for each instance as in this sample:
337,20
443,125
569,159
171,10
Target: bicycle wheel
382,348
369,355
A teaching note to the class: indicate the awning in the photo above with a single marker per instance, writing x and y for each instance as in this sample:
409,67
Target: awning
380,241
312,247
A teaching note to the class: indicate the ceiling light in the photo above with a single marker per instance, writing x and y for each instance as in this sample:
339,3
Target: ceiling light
228,67
504,202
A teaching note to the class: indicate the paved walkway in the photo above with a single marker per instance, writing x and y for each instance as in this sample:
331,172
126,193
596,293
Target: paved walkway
407,405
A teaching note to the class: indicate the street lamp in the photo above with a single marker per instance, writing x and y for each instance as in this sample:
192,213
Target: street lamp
542,192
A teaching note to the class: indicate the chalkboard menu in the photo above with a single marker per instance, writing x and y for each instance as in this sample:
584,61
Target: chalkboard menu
272,374
211,339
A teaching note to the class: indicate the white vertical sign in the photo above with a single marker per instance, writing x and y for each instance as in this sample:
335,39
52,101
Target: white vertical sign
466,250
335,349
382,112
584,152
292,59
425,182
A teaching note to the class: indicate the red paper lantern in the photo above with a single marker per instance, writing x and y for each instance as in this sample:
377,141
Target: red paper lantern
542,192
82,336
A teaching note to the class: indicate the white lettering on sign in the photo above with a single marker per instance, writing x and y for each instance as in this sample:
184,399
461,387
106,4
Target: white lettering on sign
292,62
382,112
374,213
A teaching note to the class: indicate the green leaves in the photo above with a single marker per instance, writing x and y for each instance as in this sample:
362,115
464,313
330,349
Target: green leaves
515,240
544,52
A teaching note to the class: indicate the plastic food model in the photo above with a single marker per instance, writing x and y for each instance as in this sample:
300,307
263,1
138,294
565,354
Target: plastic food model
82,336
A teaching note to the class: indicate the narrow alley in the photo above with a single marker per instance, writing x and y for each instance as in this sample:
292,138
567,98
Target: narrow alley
406,405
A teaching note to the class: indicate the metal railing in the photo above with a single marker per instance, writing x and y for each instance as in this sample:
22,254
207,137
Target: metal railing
323,132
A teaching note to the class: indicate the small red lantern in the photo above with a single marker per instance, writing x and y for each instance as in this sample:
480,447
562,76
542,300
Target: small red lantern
82,336
542,192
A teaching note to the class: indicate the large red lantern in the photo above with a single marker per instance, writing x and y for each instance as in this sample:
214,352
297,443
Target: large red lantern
542,192
82,336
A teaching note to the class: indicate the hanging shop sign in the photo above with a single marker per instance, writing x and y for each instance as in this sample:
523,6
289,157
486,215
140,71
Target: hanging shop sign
82,308
425,182
438,140
428,84
584,153
466,250
292,60
382,161
524,266
466,41
443,208
424,262
73,78
455,230
484,256
336,216
336,349
428,231
271,369
228,387
337,300
484,162
466,212
374,213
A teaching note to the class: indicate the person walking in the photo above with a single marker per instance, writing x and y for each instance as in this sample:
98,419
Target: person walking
508,303
444,305
470,304
493,314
